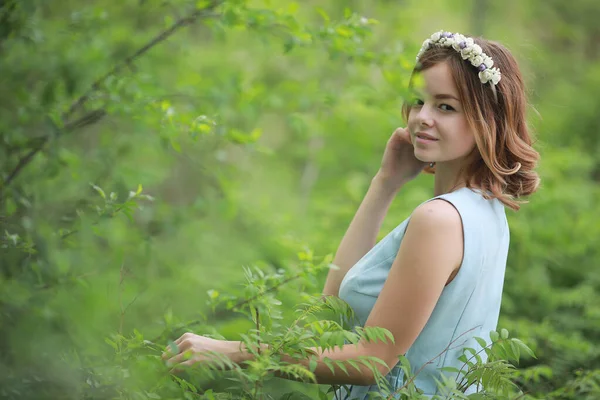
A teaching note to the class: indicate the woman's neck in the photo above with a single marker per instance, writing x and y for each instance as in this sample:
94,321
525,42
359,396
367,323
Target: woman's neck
448,178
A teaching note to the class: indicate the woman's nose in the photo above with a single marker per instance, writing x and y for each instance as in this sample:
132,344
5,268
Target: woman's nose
425,115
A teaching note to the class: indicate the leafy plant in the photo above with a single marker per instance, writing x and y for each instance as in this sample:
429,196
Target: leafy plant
256,126
324,323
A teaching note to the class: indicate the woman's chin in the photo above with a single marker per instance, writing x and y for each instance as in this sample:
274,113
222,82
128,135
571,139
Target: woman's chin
423,158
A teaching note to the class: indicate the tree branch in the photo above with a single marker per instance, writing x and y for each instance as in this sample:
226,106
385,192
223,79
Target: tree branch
23,161
77,104
156,40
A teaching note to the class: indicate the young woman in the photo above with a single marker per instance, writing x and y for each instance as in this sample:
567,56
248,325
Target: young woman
436,280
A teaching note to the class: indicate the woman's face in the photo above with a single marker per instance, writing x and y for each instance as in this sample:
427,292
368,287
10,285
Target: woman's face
437,122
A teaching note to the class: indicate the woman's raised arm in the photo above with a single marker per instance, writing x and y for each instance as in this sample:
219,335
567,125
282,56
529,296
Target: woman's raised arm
398,166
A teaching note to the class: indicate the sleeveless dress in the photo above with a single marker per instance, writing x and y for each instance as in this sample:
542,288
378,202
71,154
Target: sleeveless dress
469,303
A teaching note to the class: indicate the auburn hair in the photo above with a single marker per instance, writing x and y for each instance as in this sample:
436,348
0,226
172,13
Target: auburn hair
505,168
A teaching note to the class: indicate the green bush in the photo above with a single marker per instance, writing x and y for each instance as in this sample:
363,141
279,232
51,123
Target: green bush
151,149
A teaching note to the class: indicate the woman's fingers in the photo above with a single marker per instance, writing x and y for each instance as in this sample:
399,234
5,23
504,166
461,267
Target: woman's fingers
177,359
188,363
169,351
184,345
188,351
403,134
181,344
183,337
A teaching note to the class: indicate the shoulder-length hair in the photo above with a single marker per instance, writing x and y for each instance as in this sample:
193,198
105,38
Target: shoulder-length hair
505,168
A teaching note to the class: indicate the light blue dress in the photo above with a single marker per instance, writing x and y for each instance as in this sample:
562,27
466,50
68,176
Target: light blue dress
469,303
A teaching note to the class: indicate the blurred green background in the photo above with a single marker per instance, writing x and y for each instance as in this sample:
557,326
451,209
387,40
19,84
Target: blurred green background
255,127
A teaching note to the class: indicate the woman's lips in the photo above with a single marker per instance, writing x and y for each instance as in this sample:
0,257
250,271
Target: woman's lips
425,138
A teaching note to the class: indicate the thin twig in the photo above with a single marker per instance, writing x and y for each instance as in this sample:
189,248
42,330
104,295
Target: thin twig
77,104
30,142
47,286
469,359
131,302
22,163
221,312
153,42
87,119
257,385
251,299
120,296
115,212
258,327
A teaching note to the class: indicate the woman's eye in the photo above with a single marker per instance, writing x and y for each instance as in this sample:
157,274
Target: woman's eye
418,102
446,107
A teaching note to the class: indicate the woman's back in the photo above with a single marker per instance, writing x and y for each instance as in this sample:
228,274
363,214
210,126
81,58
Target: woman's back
468,306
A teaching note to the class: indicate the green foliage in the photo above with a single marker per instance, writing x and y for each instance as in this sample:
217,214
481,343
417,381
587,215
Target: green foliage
308,334
148,149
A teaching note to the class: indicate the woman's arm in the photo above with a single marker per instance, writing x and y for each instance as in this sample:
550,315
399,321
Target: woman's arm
362,232
431,250
398,166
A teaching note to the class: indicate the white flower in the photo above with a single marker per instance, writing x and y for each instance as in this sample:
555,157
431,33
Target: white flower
487,60
458,39
496,76
485,76
468,50
450,42
476,61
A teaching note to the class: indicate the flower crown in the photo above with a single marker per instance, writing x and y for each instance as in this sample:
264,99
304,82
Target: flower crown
468,50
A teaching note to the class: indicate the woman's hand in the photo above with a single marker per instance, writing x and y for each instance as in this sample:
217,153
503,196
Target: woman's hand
192,349
399,164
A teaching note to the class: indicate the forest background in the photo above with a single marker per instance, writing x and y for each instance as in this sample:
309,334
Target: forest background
150,150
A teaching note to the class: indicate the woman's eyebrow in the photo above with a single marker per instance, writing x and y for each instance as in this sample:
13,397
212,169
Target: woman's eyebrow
442,96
